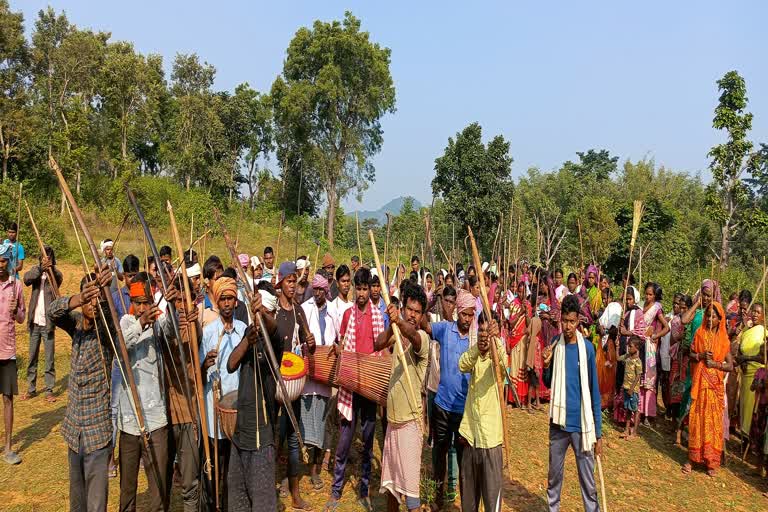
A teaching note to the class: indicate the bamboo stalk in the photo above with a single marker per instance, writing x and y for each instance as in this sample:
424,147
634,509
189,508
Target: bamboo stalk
494,352
637,215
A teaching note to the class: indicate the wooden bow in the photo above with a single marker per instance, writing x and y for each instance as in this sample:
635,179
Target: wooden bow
263,329
50,272
123,352
192,333
494,352
399,352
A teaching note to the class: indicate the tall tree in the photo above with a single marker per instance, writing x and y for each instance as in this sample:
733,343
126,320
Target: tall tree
197,140
130,85
335,87
597,165
474,180
728,196
15,119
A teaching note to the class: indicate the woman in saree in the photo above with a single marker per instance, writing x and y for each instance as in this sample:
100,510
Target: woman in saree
749,360
656,326
711,356
517,329
692,319
592,299
605,355
678,353
632,324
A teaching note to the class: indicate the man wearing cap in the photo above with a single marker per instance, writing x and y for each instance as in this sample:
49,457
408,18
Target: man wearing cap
40,329
303,289
108,259
11,310
453,339
290,326
16,254
143,340
245,262
328,269
87,426
195,276
315,396
220,337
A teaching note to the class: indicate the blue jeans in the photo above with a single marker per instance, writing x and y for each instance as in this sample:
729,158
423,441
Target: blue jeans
37,334
364,410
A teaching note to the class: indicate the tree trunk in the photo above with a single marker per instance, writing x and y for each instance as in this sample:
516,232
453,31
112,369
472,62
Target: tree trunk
77,181
187,180
332,199
5,165
725,246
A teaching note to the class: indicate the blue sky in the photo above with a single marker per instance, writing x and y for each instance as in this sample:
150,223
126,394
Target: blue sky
636,78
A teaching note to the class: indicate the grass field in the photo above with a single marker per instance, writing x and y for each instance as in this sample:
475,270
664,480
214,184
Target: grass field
641,475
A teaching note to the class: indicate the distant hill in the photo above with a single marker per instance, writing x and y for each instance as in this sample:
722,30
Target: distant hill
392,207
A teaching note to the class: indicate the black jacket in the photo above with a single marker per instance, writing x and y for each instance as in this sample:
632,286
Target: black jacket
33,278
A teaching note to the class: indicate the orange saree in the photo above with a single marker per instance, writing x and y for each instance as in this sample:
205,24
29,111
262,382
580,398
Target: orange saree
708,395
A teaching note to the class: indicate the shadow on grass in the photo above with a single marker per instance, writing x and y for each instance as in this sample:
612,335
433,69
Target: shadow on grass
41,427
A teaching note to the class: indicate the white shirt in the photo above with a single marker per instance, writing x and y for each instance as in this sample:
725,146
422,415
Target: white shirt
327,337
40,307
339,308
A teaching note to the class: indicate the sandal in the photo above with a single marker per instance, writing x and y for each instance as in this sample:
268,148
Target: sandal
317,482
284,488
28,396
50,398
112,471
711,473
366,504
686,469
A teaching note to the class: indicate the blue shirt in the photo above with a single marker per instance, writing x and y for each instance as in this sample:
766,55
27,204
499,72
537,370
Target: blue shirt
119,304
229,381
454,385
16,254
573,387
383,309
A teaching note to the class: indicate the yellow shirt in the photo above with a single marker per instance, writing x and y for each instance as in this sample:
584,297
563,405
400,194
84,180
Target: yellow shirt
481,425
400,408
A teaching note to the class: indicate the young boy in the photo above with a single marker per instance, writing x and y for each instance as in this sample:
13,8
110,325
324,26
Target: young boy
570,371
633,370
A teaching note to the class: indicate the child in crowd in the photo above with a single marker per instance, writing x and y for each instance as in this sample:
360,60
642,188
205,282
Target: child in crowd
633,369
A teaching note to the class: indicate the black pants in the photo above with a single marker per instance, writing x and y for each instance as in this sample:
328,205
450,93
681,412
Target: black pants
133,450
183,445
481,477
445,432
251,477
208,498
89,479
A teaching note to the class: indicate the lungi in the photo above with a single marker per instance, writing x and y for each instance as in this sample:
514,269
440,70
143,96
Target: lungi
314,409
401,460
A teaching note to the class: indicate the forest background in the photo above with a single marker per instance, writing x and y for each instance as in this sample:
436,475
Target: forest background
280,162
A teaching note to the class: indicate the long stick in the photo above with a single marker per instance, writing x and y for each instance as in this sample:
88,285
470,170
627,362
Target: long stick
263,329
41,245
494,352
192,333
18,230
398,336
386,246
581,244
602,482
447,259
357,230
171,307
108,295
119,232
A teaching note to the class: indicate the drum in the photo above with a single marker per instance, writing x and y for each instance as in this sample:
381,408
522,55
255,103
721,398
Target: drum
227,408
366,375
294,371
323,365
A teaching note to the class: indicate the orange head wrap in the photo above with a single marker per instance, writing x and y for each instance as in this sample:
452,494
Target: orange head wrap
224,284
137,291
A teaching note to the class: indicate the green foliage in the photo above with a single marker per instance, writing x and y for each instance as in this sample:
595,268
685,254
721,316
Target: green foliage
474,180
328,103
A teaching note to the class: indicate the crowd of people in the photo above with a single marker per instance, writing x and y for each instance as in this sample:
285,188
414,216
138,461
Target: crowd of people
556,338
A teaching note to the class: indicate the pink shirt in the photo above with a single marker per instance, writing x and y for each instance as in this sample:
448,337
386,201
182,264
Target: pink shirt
8,289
